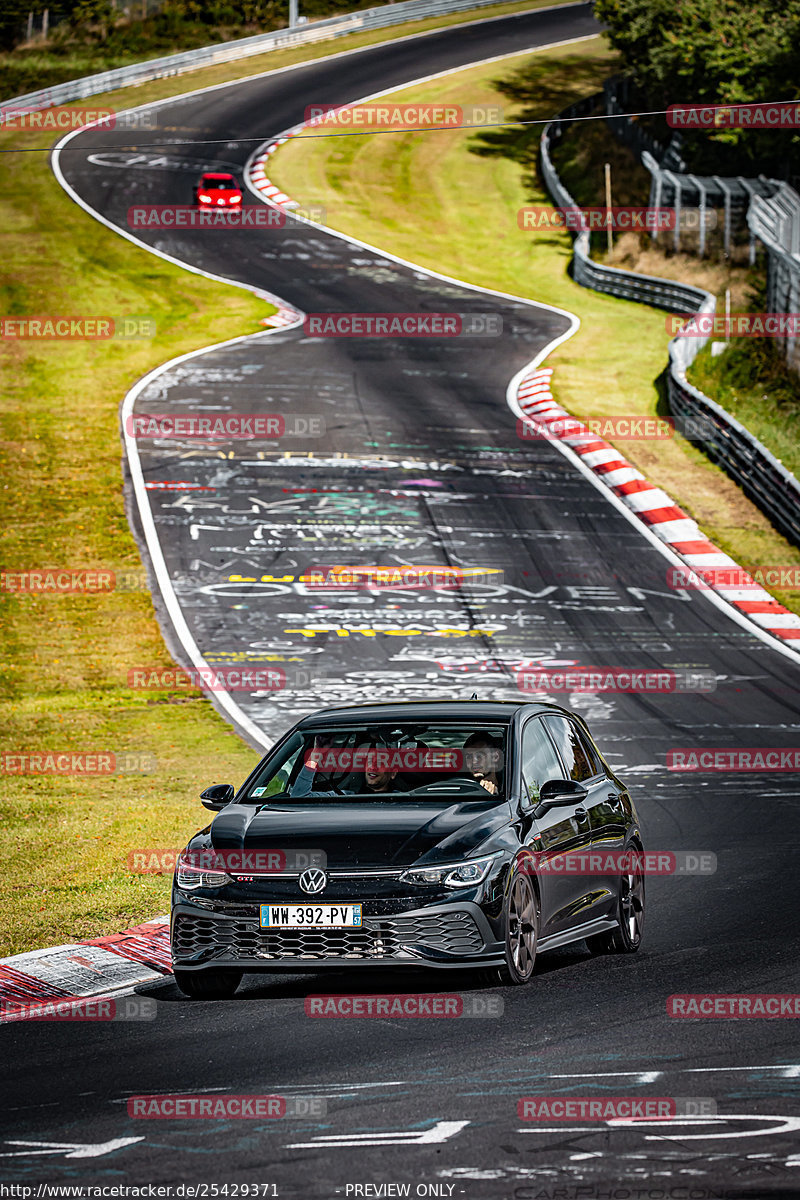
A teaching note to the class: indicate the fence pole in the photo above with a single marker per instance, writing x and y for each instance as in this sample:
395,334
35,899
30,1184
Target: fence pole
609,234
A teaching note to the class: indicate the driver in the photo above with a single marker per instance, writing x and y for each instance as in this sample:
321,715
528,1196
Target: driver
482,759
373,780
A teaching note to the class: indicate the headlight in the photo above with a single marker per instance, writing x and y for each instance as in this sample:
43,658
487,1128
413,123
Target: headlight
188,876
453,875
204,199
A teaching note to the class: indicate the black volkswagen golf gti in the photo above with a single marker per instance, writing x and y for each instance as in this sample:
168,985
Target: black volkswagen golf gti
423,834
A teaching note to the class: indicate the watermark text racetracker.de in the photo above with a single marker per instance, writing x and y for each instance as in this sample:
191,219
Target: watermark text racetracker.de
713,117
403,324
392,116
621,862
741,324
533,679
272,678
481,757
734,577
722,759
618,219
255,216
407,575
630,427
91,581
224,1108
57,327
616,1109
72,762
127,1008
426,1005
58,580
770,1005
151,860
59,117
221,427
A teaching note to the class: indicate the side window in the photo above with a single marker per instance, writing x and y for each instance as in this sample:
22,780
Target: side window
289,771
579,765
592,753
539,759
276,780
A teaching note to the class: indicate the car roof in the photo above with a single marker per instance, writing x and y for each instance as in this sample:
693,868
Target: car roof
217,175
467,711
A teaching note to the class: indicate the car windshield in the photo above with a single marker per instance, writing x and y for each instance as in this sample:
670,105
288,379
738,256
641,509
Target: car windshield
221,182
382,760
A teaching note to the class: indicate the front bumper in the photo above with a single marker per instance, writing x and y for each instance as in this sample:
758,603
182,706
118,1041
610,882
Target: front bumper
440,936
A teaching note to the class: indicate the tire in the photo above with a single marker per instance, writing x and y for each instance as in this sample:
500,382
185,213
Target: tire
522,932
214,983
627,937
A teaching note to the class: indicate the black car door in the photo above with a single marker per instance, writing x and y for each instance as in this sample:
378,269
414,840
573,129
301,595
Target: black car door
554,833
603,803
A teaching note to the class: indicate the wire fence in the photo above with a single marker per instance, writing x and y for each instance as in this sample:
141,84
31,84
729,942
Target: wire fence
726,441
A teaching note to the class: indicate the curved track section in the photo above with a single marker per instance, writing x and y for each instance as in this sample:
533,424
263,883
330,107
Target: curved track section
421,463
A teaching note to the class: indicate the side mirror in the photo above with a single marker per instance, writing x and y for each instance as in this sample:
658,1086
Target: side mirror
218,796
555,793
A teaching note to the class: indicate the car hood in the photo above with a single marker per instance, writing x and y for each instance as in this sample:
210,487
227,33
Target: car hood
372,833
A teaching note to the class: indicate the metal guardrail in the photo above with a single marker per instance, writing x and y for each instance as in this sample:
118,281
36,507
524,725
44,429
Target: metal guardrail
726,441
261,43
776,222
628,285
761,476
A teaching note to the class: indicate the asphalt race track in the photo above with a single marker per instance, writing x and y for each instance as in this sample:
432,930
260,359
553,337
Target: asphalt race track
421,463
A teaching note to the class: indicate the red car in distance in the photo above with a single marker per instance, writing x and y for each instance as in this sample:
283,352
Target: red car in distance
217,190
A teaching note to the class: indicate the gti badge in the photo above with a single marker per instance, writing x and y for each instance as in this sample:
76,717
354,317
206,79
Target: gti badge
313,880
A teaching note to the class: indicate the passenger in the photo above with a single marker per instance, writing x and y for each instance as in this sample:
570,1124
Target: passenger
482,760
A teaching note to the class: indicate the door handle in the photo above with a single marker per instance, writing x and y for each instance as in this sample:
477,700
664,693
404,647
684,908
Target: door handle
581,814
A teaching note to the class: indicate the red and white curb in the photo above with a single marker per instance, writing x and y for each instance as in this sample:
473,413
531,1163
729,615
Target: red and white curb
283,317
653,507
96,967
258,176
258,179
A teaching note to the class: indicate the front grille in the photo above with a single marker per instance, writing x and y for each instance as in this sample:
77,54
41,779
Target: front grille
198,938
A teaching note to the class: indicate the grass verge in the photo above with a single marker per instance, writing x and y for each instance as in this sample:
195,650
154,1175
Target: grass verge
64,659
751,380
449,201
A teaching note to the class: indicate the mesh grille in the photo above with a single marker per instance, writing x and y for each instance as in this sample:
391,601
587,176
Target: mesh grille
196,936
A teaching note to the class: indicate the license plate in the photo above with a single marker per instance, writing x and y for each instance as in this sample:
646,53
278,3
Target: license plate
311,916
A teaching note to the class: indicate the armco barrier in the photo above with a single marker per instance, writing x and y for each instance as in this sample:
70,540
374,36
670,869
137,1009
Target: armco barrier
760,475
261,43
